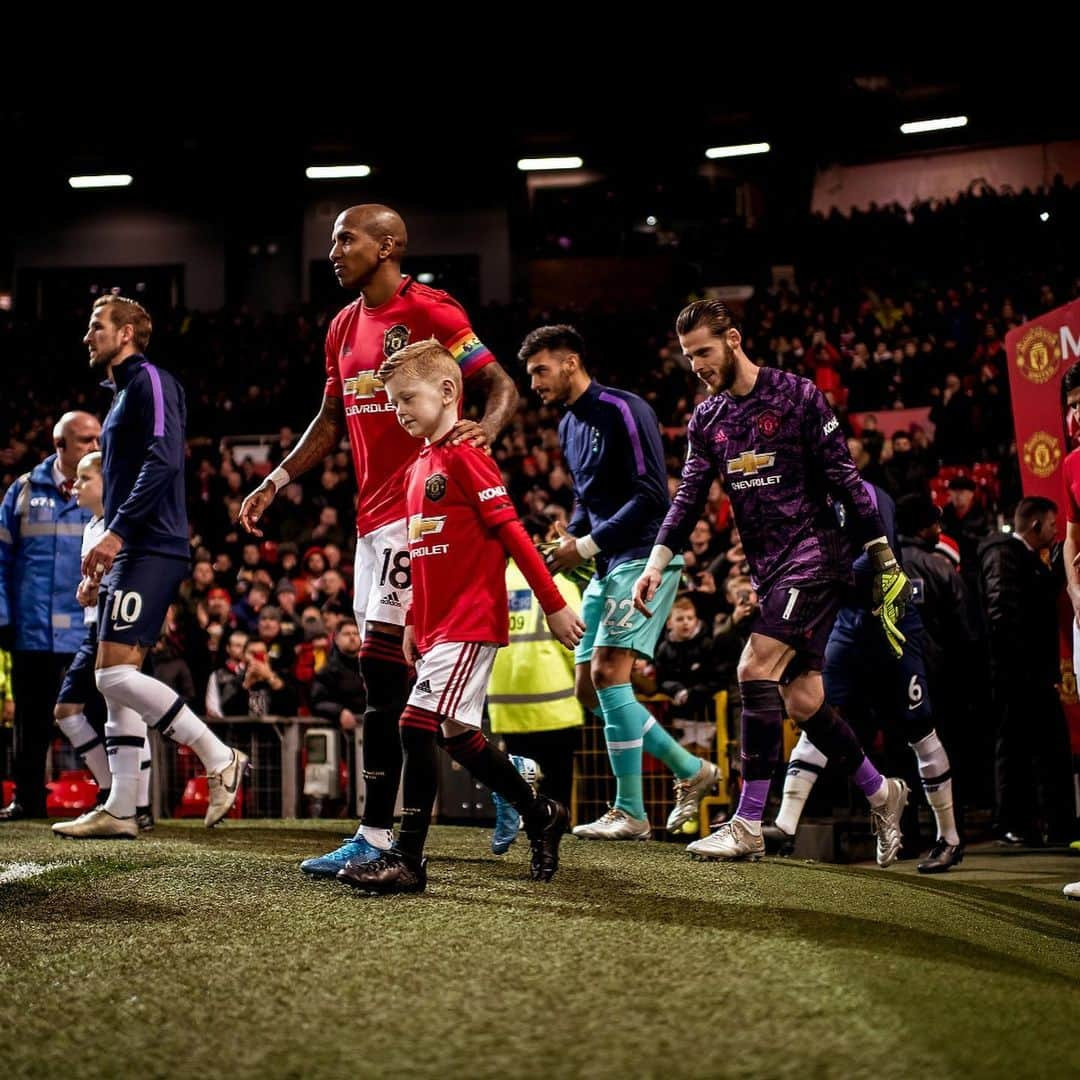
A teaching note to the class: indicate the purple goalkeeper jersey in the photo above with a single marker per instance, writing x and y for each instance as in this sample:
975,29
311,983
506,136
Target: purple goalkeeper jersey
784,462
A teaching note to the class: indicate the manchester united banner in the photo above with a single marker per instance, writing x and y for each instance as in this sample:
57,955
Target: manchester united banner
1039,353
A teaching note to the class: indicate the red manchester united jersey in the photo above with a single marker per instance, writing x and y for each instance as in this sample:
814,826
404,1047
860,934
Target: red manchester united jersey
456,501
359,339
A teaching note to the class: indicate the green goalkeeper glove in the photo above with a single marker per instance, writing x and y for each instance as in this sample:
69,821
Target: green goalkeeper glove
892,591
580,575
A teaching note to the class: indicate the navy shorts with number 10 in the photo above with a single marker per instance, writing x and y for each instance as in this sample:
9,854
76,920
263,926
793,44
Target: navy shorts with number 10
135,597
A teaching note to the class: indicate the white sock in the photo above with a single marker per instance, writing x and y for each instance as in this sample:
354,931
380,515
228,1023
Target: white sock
881,796
752,827
143,794
937,783
805,766
125,736
160,706
383,839
89,745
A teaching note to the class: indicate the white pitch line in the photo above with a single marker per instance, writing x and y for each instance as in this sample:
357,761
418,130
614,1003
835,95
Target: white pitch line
20,871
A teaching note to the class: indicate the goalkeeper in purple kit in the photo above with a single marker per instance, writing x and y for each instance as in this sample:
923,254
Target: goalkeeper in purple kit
773,441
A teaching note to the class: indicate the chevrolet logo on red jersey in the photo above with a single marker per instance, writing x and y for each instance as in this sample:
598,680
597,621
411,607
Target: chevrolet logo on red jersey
751,463
420,526
365,385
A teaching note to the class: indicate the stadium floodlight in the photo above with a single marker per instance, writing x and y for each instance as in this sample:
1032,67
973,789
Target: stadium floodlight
336,172
547,164
101,181
1044,216
917,127
739,150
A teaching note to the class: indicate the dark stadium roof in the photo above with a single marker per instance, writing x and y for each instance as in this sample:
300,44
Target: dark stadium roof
641,119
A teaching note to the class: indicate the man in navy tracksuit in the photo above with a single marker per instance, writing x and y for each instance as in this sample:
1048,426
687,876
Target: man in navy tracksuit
611,442
41,527
863,675
139,564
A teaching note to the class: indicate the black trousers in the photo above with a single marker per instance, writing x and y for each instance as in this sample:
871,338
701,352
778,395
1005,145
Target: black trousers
1033,764
36,678
553,751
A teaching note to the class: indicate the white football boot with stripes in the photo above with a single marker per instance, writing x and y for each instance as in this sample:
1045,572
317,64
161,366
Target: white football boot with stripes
689,793
733,840
615,825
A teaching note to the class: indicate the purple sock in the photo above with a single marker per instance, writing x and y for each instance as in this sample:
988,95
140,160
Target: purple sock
867,777
752,799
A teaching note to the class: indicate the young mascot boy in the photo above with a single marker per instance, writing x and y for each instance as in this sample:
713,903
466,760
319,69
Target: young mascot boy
461,527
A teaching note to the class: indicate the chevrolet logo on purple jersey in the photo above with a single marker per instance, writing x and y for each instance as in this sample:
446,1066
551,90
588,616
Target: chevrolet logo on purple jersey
750,463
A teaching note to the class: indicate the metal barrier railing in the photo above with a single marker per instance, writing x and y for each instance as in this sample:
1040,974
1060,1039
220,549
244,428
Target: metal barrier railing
274,787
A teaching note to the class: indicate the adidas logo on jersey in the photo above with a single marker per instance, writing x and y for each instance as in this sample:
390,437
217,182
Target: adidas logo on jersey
391,600
424,687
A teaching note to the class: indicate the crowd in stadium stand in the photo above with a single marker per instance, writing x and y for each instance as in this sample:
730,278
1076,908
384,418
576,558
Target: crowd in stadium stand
872,346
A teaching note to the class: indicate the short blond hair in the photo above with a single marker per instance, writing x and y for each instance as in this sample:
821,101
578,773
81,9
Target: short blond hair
123,312
425,360
89,462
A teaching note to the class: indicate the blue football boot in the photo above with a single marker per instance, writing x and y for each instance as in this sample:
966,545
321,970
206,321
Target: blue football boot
356,849
507,819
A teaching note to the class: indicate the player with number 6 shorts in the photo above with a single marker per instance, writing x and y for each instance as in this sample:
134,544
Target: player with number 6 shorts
863,677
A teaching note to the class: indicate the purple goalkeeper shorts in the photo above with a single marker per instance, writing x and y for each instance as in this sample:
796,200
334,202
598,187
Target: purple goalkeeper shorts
801,616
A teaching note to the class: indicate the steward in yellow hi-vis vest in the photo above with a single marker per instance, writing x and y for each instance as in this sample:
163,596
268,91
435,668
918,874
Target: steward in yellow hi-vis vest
532,682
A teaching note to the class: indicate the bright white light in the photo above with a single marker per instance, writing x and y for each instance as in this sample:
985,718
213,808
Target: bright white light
426,279
742,150
650,220
1045,215
546,164
917,127
104,180
336,172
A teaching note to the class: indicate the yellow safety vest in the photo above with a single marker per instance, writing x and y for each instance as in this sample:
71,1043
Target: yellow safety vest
532,682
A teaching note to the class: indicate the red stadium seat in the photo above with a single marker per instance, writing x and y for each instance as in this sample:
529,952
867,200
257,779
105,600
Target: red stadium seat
75,792
196,799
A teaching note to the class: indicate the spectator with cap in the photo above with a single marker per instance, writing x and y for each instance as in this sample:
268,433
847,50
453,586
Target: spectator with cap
948,547
965,520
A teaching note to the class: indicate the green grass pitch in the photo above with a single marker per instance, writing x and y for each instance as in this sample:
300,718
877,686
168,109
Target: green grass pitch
206,954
